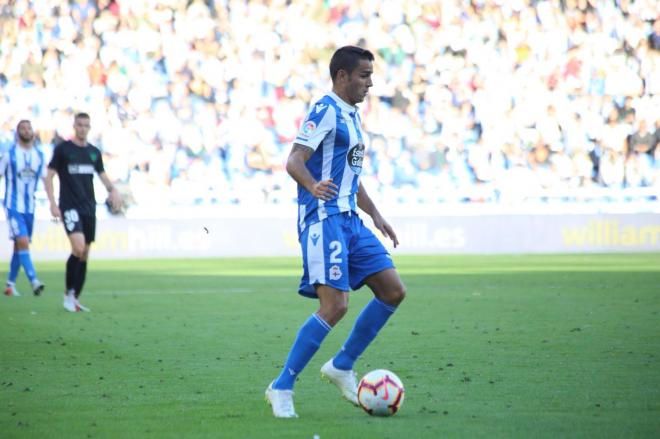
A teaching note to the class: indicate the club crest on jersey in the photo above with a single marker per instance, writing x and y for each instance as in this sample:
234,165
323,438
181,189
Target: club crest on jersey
307,129
335,272
355,157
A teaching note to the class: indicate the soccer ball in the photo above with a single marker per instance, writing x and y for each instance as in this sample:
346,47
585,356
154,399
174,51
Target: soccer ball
380,393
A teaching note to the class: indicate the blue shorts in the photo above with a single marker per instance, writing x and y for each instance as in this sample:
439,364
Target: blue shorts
340,252
20,224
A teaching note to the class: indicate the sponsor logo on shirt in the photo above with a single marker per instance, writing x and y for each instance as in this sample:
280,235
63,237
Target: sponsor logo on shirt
80,169
319,107
315,238
355,158
27,174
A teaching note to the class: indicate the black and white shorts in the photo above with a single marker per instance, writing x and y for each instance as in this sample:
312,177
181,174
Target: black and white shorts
76,223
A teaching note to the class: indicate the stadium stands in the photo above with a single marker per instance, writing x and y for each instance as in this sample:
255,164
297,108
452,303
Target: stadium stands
197,102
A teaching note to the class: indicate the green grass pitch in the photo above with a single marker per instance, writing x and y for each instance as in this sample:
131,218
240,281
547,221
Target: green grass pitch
487,346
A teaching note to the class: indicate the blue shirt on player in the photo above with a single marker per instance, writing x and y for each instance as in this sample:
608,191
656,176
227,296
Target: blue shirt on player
333,130
22,169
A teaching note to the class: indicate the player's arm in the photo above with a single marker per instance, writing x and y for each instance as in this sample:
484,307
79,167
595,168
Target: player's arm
4,162
113,194
48,184
295,166
367,205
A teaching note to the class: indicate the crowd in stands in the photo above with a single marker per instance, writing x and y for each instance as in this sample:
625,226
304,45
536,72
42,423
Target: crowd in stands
198,101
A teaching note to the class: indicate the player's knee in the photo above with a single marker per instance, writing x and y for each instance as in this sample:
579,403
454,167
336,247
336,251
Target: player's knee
22,243
339,310
394,295
78,251
334,312
398,294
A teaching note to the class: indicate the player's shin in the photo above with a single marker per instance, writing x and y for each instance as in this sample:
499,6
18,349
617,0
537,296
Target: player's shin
308,341
80,277
372,318
26,262
14,267
71,272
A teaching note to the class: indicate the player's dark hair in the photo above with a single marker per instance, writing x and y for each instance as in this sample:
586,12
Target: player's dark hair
81,115
347,58
22,121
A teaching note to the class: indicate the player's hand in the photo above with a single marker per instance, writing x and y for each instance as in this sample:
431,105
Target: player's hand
325,190
115,201
55,211
385,229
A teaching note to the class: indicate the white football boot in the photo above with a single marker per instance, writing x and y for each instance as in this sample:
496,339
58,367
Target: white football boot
80,306
345,380
37,287
11,291
281,401
70,302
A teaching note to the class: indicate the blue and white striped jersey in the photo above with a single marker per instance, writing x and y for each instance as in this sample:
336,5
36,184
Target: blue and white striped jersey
22,169
333,130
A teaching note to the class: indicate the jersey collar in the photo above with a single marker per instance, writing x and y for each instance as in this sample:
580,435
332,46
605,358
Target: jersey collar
22,148
342,103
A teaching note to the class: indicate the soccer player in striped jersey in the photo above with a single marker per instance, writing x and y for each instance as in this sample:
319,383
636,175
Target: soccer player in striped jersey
339,252
22,166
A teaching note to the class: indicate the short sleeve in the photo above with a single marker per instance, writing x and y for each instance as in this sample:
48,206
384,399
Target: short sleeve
56,160
98,163
319,122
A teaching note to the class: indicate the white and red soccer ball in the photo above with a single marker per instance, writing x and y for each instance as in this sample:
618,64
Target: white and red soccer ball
380,393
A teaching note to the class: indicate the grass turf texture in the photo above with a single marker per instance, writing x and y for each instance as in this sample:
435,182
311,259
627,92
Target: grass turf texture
495,346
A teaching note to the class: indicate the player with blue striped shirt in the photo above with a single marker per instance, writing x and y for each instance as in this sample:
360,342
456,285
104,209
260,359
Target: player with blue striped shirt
22,166
339,252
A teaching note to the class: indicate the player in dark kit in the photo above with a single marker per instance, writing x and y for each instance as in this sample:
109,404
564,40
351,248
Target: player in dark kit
75,162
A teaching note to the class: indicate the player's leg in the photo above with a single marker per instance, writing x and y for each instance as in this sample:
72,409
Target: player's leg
14,267
79,279
319,258
77,241
323,265
372,318
345,378
333,306
81,274
20,225
370,264
15,263
389,292
89,231
23,245
387,287
77,234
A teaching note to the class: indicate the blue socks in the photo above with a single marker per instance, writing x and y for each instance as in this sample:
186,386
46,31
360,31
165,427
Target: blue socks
372,318
14,266
308,341
21,257
26,262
